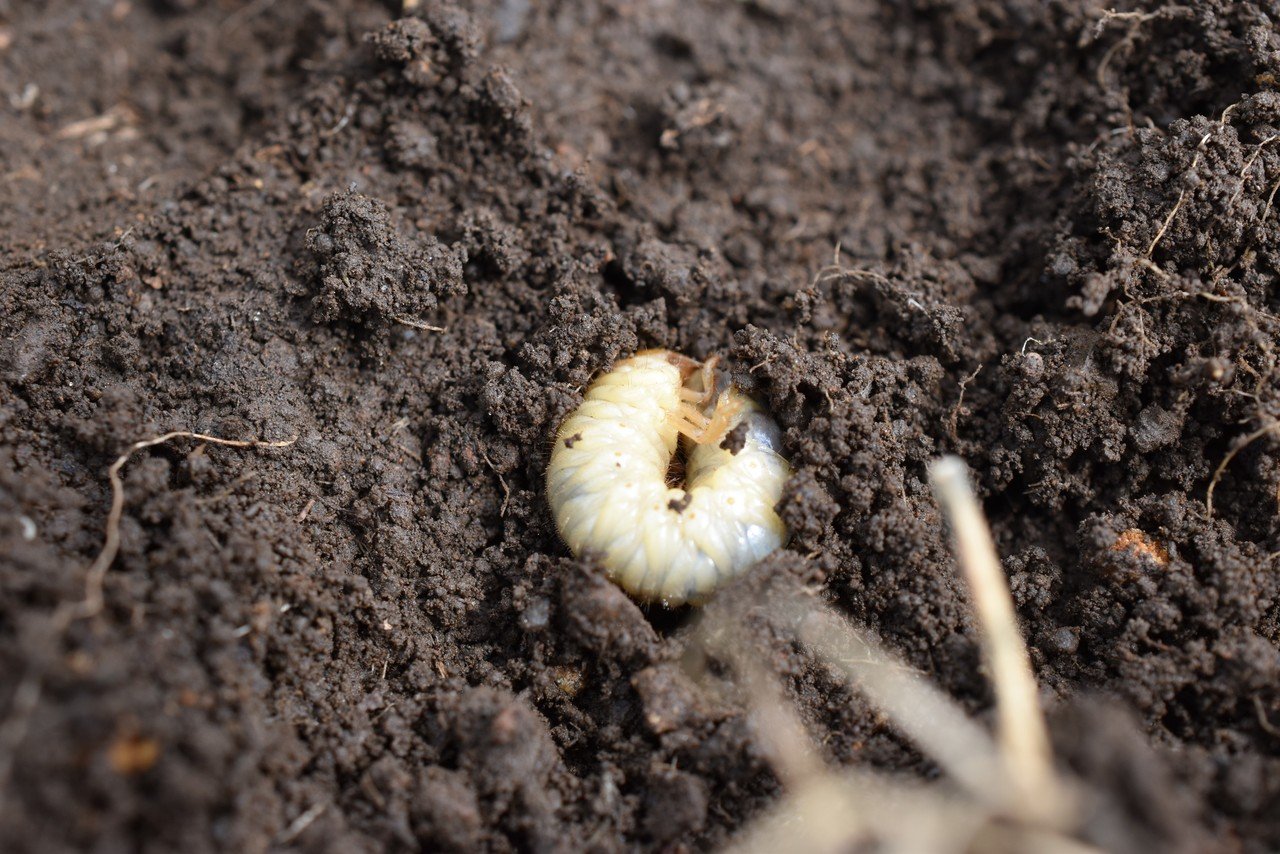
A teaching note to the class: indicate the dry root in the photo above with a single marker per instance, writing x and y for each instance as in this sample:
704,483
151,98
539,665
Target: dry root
68,613
1240,445
27,695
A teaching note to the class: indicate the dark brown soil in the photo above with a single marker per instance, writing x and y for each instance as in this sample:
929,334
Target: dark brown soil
1039,235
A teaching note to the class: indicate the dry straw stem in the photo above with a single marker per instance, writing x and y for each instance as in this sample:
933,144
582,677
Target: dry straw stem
1023,736
786,744
838,811
895,816
829,810
1008,796
905,818
929,718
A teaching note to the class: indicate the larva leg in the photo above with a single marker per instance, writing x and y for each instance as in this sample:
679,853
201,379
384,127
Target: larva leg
692,419
698,417
689,395
709,378
703,429
723,416
689,420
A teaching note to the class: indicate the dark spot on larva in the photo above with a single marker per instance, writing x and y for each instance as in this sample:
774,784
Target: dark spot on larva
576,437
736,439
678,504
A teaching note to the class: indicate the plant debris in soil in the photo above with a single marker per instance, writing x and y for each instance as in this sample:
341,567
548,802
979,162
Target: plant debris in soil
405,236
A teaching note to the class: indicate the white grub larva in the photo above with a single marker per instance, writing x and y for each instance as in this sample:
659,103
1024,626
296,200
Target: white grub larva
609,482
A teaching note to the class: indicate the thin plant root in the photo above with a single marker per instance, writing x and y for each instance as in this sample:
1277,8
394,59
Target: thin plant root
1023,736
1182,196
418,324
91,605
1248,440
27,695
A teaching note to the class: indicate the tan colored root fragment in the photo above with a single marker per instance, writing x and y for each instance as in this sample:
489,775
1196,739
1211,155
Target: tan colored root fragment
418,324
92,602
27,695
1239,446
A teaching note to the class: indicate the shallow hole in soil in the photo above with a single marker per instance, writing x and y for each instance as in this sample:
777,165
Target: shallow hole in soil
668,621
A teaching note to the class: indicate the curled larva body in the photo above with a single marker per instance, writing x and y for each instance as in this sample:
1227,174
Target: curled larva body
608,479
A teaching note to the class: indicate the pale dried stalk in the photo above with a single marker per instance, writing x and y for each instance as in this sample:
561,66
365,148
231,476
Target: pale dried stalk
829,812
837,811
1022,734
818,816
929,718
776,724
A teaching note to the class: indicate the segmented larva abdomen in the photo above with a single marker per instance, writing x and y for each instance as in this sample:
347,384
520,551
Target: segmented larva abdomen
607,482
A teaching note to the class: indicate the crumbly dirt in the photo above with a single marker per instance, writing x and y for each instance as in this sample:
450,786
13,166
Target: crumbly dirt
1044,236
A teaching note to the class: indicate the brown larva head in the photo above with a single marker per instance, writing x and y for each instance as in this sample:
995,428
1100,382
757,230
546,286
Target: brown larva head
686,365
